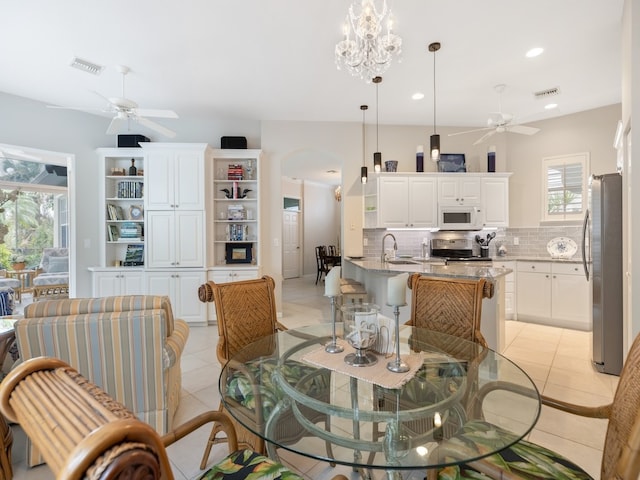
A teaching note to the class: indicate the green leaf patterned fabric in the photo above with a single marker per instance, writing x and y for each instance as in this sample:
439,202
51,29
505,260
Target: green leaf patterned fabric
246,464
525,459
240,387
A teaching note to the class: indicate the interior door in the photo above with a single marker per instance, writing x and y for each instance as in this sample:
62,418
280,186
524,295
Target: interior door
291,244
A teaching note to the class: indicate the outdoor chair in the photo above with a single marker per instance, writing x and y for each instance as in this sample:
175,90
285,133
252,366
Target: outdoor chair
52,276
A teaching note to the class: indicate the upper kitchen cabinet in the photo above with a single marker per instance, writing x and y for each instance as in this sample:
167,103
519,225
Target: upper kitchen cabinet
459,189
400,201
495,199
175,174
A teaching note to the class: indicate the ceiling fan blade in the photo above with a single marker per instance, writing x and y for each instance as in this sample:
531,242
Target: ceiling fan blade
154,112
469,131
525,130
484,137
116,125
155,126
80,109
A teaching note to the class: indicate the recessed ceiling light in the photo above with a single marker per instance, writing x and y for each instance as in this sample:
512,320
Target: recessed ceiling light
550,106
534,52
417,96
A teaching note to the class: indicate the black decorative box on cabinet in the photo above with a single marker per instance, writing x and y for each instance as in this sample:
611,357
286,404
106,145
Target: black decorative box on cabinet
127,141
233,142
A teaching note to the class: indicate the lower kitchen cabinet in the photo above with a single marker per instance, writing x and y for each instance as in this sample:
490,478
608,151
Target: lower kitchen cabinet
118,281
509,289
181,285
553,293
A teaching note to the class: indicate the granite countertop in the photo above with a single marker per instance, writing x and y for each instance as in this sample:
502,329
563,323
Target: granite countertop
433,267
524,258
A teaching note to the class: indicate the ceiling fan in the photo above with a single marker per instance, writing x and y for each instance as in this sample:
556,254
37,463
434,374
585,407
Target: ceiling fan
499,122
125,110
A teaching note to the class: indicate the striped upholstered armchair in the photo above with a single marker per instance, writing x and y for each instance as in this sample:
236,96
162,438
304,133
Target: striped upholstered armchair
115,343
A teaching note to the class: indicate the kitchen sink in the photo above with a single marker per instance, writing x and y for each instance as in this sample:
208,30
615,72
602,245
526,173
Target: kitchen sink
402,262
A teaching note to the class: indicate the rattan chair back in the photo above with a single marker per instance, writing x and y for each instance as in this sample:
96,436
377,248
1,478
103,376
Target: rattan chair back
448,305
621,453
246,312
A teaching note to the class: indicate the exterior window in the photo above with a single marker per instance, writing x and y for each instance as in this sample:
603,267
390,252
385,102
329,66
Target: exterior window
565,187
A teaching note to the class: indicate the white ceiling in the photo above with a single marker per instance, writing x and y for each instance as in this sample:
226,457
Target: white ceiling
273,59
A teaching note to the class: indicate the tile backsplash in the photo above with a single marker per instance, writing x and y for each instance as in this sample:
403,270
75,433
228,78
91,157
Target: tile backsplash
532,241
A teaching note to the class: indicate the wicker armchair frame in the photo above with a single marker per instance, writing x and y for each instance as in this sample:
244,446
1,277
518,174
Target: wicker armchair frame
246,313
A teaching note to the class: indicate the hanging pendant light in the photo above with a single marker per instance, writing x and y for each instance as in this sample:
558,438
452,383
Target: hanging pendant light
363,170
435,138
377,156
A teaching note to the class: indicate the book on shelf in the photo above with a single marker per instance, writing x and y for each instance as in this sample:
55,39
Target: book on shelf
113,233
235,172
114,212
134,256
130,189
236,212
237,232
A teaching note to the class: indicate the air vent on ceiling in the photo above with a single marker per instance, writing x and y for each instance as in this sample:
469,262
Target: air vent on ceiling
86,66
550,92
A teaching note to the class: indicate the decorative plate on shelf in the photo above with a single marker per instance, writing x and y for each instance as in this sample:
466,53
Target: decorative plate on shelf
562,247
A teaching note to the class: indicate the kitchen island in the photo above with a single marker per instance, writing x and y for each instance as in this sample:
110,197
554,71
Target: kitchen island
374,274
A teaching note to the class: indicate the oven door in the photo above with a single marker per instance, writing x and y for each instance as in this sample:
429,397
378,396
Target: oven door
459,217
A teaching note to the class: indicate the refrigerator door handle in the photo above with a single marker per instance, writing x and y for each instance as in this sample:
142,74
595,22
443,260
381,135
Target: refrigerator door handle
585,231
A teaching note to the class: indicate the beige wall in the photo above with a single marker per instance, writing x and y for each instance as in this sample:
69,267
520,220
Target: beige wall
592,131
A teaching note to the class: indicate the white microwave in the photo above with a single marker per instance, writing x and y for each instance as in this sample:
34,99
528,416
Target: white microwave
459,217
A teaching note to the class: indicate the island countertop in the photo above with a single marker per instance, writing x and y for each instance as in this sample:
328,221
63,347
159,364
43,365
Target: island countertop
435,268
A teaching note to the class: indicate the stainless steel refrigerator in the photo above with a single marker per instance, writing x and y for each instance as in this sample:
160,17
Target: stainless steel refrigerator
602,244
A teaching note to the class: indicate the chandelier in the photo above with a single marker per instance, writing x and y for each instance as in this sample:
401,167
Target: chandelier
374,44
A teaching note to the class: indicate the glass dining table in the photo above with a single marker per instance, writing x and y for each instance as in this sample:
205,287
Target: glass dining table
459,403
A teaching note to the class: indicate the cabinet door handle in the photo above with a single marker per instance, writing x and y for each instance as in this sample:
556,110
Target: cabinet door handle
533,267
546,276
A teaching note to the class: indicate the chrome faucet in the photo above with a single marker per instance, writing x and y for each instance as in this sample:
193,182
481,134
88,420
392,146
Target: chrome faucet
383,256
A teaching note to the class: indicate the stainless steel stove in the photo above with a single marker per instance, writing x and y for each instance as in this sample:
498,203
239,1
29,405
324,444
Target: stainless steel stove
455,250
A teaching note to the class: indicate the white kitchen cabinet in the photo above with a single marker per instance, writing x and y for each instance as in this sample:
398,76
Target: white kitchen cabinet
406,201
176,239
570,296
459,189
509,289
117,281
181,286
495,201
175,174
553,293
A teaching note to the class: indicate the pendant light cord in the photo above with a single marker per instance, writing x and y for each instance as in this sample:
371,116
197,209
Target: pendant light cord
377,148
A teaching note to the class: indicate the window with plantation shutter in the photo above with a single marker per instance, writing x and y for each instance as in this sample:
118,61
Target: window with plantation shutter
565,187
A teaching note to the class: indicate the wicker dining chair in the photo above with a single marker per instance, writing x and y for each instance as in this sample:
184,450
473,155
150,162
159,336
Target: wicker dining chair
83,433
246,314
449,305
621,451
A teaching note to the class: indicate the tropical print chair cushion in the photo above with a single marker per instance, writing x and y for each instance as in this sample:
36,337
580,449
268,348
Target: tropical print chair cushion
246,464
240,387
524,459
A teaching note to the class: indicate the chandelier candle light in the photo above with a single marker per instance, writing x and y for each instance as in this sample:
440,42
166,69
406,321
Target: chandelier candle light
332,290
373,47
396,298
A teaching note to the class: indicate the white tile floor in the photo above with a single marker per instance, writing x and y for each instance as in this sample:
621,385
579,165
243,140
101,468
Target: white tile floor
557,359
